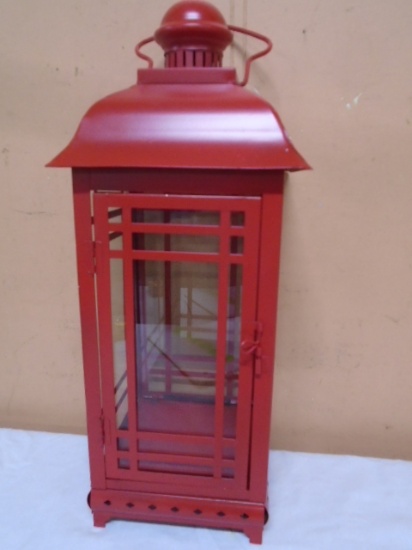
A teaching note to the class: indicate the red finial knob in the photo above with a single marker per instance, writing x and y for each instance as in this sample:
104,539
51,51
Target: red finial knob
193,34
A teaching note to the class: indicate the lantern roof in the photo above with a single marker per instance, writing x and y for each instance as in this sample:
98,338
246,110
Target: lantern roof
182,118
192,114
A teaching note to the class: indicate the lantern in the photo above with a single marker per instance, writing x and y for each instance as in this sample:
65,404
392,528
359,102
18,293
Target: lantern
177,185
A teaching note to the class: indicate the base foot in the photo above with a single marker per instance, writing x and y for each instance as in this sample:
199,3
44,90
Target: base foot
100,520
254,534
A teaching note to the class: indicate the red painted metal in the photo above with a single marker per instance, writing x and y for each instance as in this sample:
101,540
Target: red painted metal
236,515
153,125
193,33
86,274
178,187
255,56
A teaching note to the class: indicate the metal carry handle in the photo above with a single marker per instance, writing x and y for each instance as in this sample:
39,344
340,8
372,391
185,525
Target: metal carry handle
143,56
255,56
233,28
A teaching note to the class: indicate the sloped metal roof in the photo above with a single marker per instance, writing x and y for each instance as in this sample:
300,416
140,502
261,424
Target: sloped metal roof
182,118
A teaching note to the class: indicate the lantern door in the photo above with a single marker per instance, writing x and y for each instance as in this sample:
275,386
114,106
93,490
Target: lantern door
176,295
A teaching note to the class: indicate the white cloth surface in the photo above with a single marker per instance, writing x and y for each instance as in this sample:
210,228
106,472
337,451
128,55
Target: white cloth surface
317,502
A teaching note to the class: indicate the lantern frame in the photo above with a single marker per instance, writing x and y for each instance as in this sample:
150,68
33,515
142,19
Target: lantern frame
182,139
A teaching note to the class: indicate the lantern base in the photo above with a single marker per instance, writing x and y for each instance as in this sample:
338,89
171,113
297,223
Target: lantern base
245,517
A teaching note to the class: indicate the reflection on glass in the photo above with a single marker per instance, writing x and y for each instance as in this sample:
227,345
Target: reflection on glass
236,245
176,330
175,468
237,219
116,240
119,343
233,328
182,217
176,334
177,243
115,215
123,464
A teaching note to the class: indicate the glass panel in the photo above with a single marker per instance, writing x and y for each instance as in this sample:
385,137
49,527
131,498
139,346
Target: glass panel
176,448
176,243
119,343
236,245
191,469
116,240
123,444
237,219
123,463
232,349
228,473
176,334
184,217
115,215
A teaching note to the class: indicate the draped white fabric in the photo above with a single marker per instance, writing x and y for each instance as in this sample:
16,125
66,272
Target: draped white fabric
318,502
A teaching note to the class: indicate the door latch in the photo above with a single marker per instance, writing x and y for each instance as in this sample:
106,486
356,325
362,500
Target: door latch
254,347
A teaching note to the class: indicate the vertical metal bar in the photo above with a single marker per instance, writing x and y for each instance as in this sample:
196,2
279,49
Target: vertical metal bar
248,323
267,305
141,319
231,347
88,318
180,58
168,307
139,273
189,312
105,322
221,339
130,333
189,58
199,58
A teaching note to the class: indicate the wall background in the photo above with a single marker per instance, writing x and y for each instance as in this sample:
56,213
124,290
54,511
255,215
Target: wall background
340,77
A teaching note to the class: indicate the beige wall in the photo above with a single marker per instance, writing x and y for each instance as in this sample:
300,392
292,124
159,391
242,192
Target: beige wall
341,78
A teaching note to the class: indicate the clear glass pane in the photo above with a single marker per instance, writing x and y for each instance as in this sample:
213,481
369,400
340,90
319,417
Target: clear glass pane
238,219
176,243
176,334
176,314
228,473
175,468
116,240
119,343
115,215
184,217
233,336
123,463
123,444
236,245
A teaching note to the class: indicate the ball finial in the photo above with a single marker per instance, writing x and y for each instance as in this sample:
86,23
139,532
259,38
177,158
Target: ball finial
193,33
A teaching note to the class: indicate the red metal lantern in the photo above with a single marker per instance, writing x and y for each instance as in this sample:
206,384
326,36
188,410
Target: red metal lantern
178,186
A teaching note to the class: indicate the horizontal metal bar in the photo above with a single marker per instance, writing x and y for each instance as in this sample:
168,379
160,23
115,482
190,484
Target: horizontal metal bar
163,256
175,229
174,202
163,458
167,458
162,437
